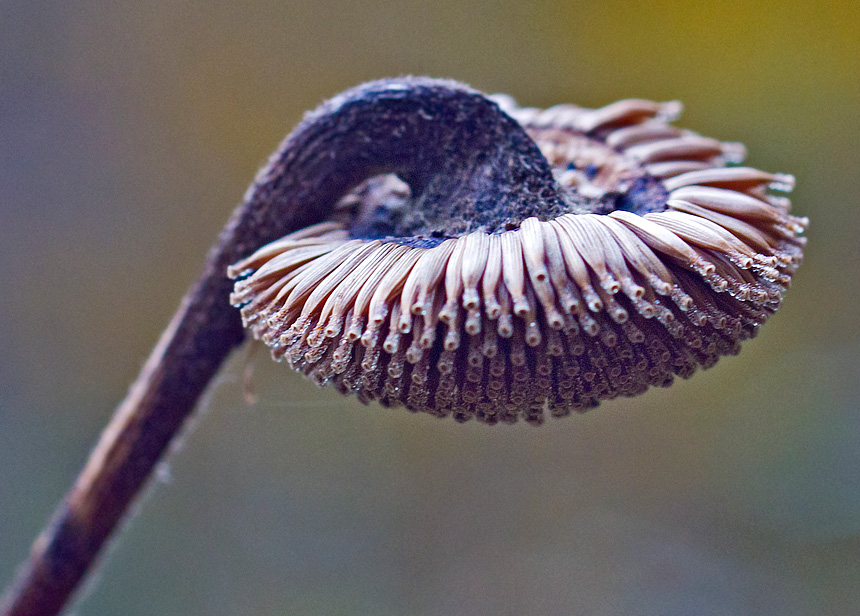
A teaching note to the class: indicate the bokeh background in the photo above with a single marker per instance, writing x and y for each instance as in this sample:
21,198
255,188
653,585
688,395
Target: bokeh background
129,131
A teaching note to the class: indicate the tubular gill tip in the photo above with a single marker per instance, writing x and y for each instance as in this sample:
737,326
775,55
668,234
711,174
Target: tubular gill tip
505,263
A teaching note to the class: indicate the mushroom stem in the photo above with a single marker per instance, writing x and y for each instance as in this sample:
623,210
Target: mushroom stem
454,147
190,351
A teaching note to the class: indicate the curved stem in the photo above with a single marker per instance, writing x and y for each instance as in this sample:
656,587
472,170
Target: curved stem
451,144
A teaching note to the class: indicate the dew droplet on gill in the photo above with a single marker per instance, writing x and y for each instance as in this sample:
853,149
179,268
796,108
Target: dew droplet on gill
468,257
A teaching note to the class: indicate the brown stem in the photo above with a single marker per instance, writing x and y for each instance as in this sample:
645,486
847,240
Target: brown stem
187,356
451,144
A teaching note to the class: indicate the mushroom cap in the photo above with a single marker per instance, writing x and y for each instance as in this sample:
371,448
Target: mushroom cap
666,255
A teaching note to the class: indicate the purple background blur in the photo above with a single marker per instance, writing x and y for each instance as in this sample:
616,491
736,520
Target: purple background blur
129,131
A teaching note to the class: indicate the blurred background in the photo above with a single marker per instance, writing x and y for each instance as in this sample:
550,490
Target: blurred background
129,131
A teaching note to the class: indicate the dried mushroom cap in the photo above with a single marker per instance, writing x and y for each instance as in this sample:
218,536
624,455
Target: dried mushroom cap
643,256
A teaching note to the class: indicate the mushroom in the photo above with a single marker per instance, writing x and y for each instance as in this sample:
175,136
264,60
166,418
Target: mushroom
416,242
634,255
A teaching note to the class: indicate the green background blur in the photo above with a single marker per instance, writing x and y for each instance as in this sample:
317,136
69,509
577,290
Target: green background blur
129,131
